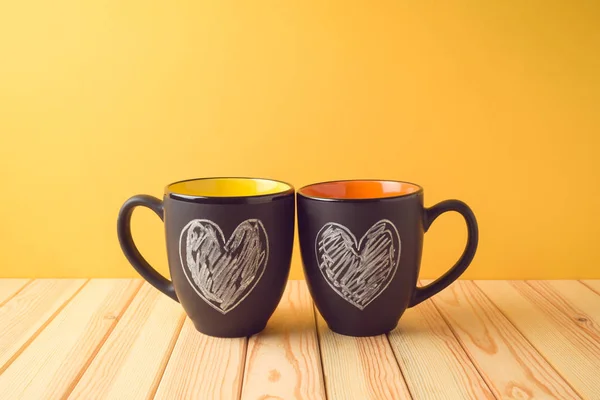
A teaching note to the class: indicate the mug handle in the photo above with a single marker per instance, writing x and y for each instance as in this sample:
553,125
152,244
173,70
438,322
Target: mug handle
423,293
130,250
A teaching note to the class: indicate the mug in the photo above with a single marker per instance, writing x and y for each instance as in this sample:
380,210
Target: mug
229,246
361,243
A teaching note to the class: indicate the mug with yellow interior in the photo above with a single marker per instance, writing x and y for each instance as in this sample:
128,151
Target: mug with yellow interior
229,246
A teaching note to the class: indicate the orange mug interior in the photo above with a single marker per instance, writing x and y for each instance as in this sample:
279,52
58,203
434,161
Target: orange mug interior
359,189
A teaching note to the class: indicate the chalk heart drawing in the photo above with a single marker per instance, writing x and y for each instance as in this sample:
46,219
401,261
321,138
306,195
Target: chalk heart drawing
358,271
223,273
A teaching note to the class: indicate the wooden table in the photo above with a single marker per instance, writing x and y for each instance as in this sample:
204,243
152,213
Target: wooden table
100,338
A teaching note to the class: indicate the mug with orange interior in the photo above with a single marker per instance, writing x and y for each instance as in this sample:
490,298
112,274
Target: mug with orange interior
361,243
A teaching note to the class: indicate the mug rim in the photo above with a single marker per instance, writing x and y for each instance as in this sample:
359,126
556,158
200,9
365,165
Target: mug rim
417,192
254,198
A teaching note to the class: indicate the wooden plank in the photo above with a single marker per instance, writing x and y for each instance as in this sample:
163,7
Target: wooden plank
50,366
510,365
359,367
131,362
593,284
10,287
572,350
574,299
203,367
432,360
283,361
28,312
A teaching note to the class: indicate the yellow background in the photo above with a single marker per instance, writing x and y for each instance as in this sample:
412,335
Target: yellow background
495,103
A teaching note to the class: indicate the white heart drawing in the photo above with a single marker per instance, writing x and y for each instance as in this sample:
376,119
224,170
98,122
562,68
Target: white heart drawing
358,271
223,273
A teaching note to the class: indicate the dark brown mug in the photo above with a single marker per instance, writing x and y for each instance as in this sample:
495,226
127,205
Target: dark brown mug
229,246
361,243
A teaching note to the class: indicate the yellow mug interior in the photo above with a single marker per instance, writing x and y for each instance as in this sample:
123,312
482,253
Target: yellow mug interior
228,187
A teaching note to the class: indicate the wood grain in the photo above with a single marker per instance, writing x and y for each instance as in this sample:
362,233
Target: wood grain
574,299
55,360
131,362
593,284
203,367
572,349
110,339
510,365
10,287
25,314
425,346
359,367
283,361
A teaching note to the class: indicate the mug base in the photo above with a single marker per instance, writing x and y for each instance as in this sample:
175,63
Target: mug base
361,331
230,333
